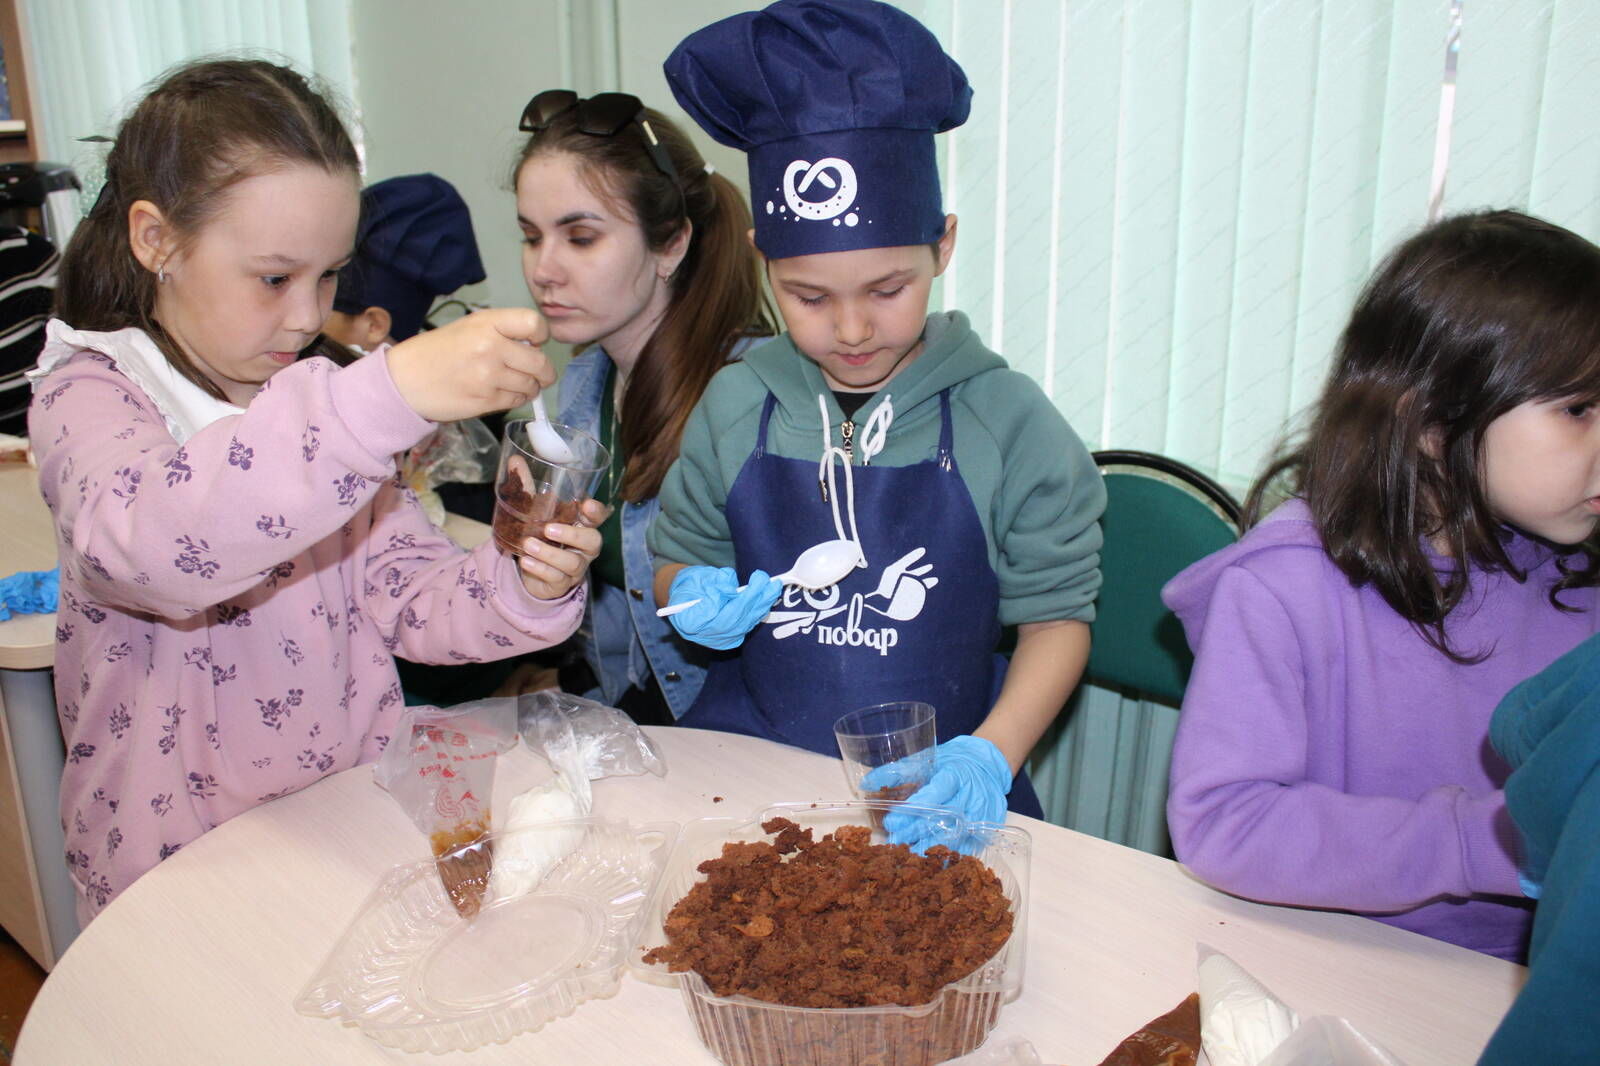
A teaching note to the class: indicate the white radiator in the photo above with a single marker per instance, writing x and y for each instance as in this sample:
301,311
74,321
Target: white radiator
1102,768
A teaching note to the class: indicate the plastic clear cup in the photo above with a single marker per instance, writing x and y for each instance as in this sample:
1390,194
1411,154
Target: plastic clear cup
530,492
901,733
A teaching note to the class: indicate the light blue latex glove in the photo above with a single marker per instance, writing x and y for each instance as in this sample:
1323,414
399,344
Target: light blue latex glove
724,614
30,592
970,776
1531,889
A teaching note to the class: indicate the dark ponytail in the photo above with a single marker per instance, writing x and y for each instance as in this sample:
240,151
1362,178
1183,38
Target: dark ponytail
203,128
716,296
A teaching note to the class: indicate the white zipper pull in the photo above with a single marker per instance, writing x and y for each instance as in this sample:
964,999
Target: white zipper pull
847,433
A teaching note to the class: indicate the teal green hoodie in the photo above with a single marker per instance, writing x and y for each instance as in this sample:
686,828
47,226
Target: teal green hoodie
1034,485
1548,730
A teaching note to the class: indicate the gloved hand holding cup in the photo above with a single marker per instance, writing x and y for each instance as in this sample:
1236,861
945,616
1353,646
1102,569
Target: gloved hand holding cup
970,776
887,750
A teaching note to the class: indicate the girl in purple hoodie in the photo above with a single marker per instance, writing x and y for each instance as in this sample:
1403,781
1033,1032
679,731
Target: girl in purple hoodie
1439,548
239,562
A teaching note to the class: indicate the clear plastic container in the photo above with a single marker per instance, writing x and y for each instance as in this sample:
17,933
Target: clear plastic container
749,1032
1013,1052
413,974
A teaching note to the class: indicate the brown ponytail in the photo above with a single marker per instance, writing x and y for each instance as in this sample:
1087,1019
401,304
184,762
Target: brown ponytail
716,296
203,128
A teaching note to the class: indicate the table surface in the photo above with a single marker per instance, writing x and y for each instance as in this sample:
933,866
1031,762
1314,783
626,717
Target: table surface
203,957
27,542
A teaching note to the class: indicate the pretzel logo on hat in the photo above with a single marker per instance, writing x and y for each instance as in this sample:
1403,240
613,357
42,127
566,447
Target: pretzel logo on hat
844,188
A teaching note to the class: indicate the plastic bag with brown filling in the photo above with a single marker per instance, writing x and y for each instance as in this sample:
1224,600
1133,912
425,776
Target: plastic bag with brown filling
1170,1040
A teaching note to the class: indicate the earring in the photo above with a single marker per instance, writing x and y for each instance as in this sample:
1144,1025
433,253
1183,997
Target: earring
161,274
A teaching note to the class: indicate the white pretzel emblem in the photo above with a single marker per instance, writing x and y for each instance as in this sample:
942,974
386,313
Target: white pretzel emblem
843,196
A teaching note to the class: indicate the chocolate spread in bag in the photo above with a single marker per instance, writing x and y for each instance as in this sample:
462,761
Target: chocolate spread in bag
464,860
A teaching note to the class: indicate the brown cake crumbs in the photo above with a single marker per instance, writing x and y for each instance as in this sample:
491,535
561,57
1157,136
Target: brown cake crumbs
888,794
520,514
839,922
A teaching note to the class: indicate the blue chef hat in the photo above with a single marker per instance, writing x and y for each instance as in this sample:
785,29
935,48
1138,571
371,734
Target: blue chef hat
836,103
415,244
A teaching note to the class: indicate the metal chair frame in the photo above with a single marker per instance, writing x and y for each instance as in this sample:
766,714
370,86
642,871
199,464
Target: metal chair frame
1218,498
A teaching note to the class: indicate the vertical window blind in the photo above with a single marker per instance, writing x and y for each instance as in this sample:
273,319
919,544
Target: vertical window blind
1168,207
89,59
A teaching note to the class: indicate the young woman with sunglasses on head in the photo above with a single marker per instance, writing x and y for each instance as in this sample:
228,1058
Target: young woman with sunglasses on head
636,252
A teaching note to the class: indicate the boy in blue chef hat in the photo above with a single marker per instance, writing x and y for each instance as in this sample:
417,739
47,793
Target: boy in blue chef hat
973,503
416,245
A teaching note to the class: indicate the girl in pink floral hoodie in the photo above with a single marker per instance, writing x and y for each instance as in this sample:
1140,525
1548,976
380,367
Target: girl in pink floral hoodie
239,563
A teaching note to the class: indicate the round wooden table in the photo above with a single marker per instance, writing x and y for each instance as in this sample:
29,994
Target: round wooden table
201,959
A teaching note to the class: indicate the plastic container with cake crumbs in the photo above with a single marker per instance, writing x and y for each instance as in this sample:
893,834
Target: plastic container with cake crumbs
742,1031
553,930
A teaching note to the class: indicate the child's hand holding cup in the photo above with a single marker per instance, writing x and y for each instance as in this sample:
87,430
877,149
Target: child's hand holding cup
545,512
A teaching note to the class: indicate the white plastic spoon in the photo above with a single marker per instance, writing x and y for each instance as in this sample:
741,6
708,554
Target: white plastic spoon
818,567
547,443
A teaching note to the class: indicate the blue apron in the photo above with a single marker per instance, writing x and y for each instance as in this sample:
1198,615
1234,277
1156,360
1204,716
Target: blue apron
919,622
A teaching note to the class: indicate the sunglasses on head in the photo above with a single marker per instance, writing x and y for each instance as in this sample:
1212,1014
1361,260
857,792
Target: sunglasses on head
600,115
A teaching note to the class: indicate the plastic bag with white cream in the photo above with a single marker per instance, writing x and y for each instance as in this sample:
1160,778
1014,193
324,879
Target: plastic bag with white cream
1243,1024
603,741
440,768
1329,1041
583,741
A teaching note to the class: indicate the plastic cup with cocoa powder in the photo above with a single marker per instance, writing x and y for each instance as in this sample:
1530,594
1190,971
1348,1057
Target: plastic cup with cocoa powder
899,736
531,491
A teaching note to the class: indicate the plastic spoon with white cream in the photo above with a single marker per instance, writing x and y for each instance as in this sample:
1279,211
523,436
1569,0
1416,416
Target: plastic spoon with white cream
547,443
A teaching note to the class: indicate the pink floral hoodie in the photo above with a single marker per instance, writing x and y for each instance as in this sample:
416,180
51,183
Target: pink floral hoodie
231,606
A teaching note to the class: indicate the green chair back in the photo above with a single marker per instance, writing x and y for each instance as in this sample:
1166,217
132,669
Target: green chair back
1160,517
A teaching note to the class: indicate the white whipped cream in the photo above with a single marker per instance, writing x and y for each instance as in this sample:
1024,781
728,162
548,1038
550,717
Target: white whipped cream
524,853
1241,1023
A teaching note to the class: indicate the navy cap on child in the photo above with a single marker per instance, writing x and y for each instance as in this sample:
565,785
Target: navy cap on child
415,243
836,103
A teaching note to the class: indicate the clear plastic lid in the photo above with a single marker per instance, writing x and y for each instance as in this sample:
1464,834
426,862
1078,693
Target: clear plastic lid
559,916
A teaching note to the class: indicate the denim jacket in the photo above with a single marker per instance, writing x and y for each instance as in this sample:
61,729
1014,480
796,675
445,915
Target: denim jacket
622,639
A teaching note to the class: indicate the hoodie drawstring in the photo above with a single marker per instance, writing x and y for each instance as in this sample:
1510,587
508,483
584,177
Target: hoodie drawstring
876,434
830,488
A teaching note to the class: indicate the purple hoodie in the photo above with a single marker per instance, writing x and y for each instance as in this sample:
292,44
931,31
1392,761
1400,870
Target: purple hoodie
1327,756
